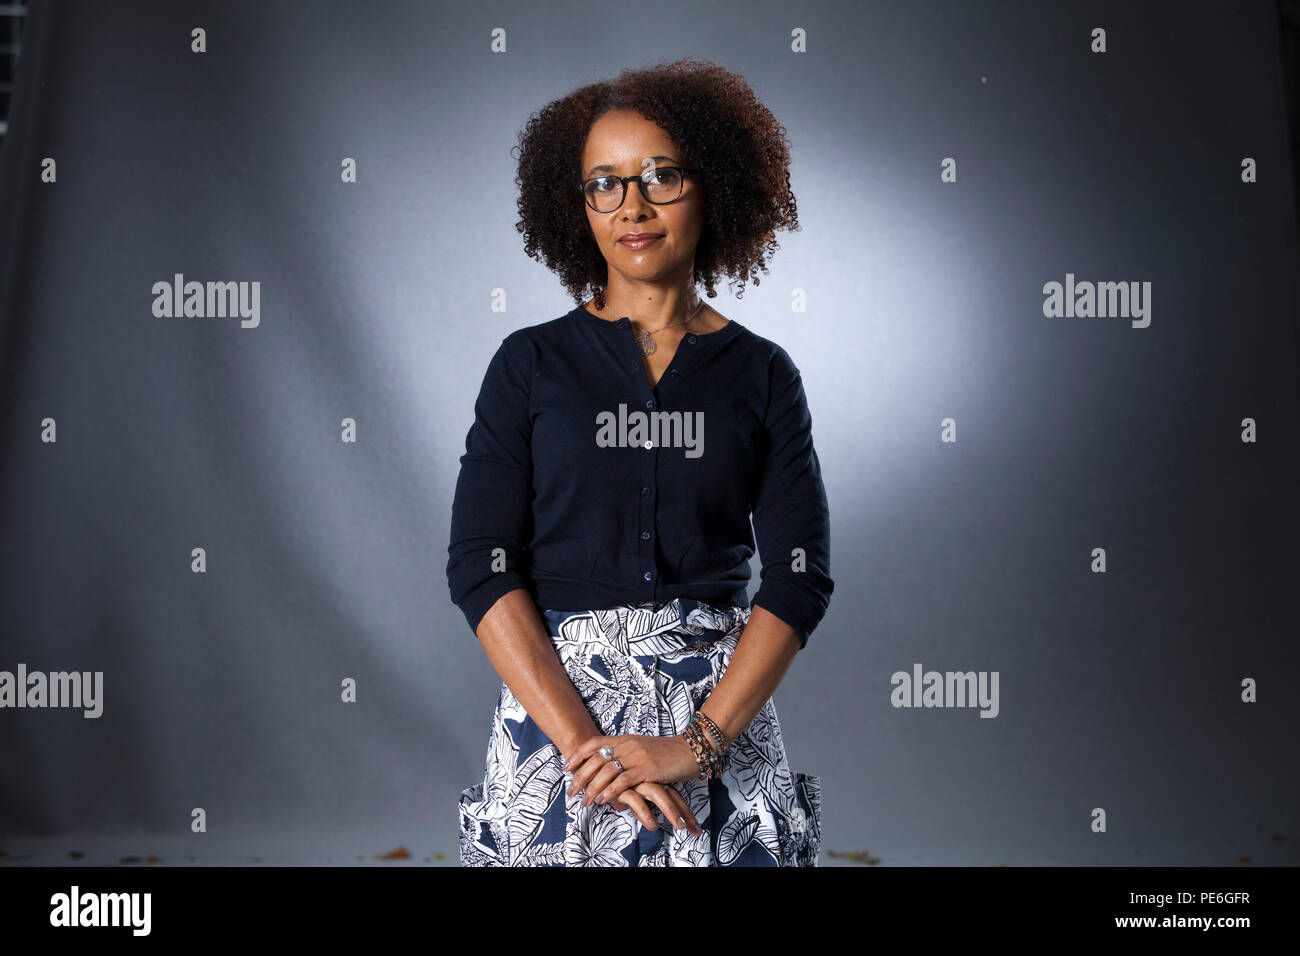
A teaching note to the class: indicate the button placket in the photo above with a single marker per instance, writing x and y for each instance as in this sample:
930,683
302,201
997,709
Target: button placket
688,354
650,576
648,583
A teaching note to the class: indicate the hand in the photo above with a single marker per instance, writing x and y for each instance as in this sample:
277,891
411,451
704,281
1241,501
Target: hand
664,796
644,759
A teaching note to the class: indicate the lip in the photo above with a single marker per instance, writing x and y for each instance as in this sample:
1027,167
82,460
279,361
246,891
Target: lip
641,240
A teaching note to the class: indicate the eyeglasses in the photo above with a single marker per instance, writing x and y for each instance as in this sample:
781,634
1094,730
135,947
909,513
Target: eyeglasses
659,185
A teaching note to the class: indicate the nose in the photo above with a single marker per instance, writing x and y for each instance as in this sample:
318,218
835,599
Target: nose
634,203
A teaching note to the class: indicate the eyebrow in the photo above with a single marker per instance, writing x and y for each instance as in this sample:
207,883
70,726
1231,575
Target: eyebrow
606,168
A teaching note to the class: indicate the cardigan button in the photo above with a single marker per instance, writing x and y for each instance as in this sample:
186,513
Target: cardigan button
691,339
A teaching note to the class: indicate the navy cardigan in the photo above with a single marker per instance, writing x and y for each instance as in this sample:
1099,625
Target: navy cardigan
589,488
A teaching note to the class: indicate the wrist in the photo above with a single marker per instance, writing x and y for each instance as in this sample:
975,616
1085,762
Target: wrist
711,720
570,742
709,747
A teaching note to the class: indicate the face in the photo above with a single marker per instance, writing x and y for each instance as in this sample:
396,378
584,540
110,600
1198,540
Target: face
618,144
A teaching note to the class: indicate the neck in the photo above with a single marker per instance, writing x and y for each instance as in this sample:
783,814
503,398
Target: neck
653,308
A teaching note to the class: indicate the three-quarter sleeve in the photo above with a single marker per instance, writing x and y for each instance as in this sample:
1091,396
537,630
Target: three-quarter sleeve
491,516
791,515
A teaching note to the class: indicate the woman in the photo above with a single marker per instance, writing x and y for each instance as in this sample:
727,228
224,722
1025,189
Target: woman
600,535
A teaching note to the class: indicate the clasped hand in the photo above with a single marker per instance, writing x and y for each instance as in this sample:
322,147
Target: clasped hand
650,764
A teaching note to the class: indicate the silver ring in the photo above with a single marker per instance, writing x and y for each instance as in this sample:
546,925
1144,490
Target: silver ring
618,765
607,752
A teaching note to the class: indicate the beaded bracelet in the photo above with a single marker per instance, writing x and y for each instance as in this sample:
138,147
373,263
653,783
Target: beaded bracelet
719,738
706,749
701,752
712,757
705,755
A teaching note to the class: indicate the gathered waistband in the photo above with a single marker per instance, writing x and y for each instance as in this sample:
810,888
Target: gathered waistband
646,628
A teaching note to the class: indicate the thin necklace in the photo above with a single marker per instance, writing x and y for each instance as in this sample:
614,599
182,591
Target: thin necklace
647,345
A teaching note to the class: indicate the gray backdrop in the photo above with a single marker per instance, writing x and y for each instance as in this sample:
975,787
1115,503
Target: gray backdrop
325,559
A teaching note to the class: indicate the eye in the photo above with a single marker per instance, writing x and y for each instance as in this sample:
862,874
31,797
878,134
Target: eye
604,184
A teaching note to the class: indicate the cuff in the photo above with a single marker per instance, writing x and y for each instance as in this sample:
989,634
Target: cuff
783,600
480,600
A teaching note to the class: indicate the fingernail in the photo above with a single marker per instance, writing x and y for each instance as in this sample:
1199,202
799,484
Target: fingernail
681,822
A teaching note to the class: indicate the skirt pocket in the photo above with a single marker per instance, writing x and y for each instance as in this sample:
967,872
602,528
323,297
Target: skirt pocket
478,837
805,837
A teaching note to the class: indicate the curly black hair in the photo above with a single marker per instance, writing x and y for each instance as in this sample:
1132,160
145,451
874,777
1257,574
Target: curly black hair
710,113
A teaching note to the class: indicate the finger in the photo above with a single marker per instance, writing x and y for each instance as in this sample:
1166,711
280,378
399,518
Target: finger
606,784
624,779
585,771
657,795
598,782
583,750
683,811
674,807
639,807
621,783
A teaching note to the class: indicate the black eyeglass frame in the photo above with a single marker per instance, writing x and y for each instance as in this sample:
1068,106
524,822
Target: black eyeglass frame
624,180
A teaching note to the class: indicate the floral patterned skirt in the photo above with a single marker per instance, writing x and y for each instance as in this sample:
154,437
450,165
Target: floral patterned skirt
641,669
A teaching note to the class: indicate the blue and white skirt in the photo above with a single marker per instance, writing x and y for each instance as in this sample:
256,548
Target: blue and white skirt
641,669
